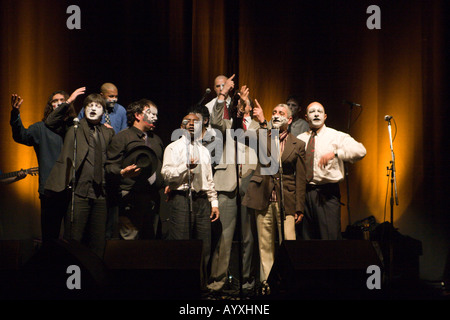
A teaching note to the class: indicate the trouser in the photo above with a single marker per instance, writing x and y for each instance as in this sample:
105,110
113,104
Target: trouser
221,256
89,223
138,215
53,209
268,223
322,217
185,225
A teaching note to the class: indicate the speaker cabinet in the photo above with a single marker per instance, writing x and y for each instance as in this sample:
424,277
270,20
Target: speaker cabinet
154,269
48,274
324,269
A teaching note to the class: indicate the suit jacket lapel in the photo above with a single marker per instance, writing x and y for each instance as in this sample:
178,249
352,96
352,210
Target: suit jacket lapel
289,147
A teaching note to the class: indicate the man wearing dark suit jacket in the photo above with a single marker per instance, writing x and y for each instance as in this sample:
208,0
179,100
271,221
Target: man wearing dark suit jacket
138,188
86,222
264,193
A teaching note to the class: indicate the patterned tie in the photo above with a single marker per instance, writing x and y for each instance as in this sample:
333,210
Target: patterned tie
107,118
226,115
244,121
310,157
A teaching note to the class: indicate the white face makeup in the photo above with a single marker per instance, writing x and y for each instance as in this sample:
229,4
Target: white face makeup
94,111
279,118
278,121
315,115
57,100
151,116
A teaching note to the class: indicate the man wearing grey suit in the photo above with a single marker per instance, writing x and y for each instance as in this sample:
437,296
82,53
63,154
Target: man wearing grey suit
225,180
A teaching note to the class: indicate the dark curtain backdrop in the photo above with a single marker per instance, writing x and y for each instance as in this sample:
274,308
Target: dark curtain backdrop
171,51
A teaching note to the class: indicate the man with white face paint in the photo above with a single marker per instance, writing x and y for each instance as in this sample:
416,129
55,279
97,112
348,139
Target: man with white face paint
138,190
326,151
264,193
87,221
187,167
115,115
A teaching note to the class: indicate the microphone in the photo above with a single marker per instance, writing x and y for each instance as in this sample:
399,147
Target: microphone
76,122
352,103
207,91
185,122
387,118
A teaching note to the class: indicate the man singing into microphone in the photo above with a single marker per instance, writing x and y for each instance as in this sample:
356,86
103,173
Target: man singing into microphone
87,221
187,172
219,83
326,151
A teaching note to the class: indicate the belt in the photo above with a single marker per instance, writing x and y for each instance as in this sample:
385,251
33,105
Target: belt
195,194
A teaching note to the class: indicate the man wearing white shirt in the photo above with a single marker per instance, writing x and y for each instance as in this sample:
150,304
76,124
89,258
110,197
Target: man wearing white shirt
187,167
326,151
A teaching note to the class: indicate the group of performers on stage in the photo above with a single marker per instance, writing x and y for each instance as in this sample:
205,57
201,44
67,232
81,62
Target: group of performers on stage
101,173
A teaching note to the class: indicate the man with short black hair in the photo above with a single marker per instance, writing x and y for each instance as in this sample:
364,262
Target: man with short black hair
137,184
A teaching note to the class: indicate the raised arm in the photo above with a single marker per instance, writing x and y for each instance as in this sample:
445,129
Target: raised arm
56,118
19,133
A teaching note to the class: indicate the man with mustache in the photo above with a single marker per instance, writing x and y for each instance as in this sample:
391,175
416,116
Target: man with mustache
327,149
264,192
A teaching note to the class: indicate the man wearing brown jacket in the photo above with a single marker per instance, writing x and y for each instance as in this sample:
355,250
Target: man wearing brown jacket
264,193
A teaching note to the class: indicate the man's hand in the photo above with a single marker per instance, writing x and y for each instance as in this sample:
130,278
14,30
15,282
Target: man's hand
229,84
130,171
21,174
16,102
243,99
325,159
258,112
298,216
75,94
214,214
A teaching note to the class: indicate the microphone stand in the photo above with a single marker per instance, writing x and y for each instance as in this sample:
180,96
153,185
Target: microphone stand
75,129
239,216
282,210
189,191
394,195
346,169
238,195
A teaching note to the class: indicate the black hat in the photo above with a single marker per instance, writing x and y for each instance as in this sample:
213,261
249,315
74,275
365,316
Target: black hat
143,157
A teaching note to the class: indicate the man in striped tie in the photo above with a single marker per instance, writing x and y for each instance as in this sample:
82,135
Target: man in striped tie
326,151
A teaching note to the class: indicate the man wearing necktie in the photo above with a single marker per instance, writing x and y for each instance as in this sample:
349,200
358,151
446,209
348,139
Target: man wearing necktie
219,83
115,115
326,151
277,195
86,222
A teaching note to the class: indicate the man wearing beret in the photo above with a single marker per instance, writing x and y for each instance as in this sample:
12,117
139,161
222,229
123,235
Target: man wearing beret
134,167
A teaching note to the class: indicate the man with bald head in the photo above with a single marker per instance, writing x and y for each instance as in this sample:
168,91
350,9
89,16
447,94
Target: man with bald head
326,151
115,115
219,83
